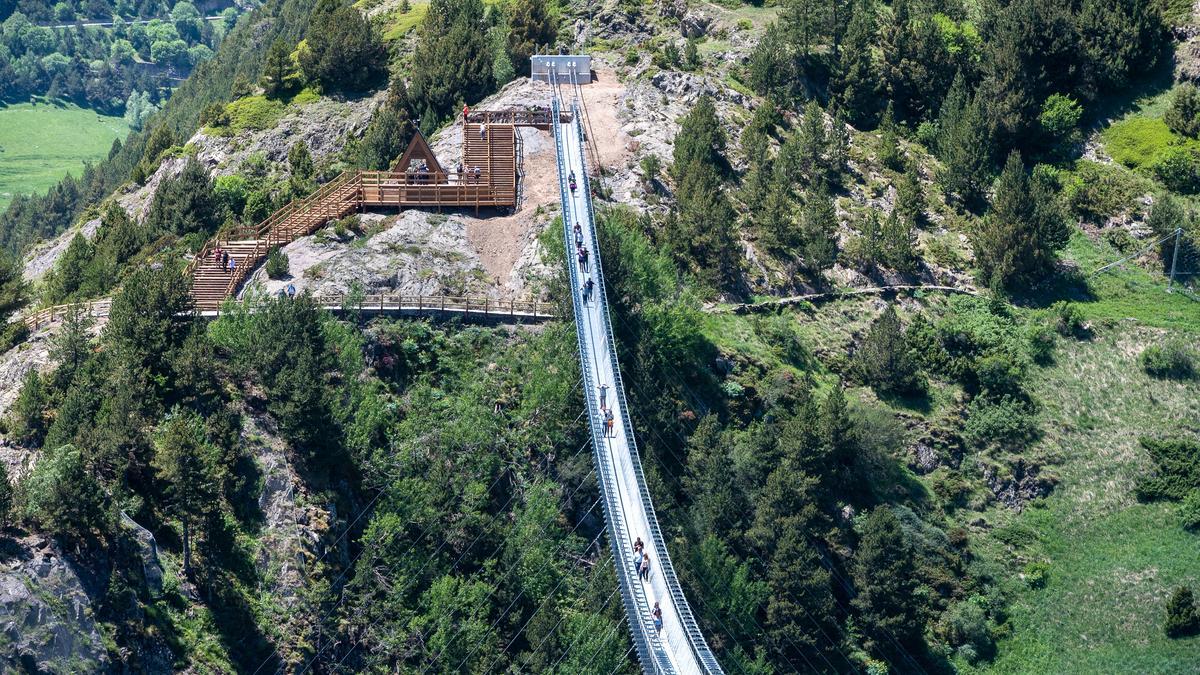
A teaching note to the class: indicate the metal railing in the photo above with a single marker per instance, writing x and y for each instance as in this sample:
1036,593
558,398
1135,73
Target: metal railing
645,638
695,637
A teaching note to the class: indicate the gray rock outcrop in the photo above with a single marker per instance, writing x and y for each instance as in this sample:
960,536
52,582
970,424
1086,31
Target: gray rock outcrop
45,615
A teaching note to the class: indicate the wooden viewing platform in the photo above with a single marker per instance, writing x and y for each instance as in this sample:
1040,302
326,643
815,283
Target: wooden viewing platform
488,179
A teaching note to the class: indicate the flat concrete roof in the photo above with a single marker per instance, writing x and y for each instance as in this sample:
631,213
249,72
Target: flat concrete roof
562,67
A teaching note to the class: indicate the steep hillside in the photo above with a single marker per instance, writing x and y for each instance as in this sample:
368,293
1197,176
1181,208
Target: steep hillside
892,419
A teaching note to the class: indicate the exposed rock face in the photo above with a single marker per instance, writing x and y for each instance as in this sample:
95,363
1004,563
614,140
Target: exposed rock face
324,125
694,25
45,615
418,254
1024,485
152,569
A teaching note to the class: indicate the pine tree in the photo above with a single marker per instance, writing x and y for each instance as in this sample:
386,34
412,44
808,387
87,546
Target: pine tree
899,244
1120,38
453,60
889,141
186,463
6,498
343,51
884,361
806,23
144,327
1182,618
390,131
185,204
27,420
818,230
775,220
857,83
279,73
801,610
69,271
813,143
885,577
865,250
963,146
530,28
910,196
63,498
700,141
1025,228
1183,115
72,346
14,290
715,500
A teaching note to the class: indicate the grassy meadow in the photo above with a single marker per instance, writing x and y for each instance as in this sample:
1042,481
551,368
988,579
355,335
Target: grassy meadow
41,142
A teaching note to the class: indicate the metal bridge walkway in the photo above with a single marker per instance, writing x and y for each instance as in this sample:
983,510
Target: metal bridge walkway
680,647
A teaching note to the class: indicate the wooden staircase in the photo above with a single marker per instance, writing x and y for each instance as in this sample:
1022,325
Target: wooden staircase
213,282
495,154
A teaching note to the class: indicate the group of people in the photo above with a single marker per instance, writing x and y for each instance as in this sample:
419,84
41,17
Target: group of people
289,292
225,261
472,173
641,562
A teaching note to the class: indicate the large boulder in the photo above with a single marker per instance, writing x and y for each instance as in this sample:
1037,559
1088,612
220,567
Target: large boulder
694,25
46,616
152,569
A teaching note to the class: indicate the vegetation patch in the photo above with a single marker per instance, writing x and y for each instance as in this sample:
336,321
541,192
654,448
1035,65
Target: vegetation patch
1140,142
40,142
254,112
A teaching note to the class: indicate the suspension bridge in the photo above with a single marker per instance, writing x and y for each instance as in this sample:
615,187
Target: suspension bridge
679,647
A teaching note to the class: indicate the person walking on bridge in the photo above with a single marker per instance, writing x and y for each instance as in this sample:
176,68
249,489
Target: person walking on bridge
603,396
578,236
587,290
608,423
644,568
657,614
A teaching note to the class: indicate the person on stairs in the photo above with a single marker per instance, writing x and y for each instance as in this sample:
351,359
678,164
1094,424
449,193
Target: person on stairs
232,265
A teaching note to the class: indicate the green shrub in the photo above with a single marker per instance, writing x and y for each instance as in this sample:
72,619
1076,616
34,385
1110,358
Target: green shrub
254,112
277,264
1137,142
1170,361
1183,115
1182,618
1059,121
966,625
1176,469
1189,511
1036,574
1068,320
1096,192
1179,170
1008,423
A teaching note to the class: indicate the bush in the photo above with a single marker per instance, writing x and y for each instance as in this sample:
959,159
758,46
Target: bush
1170,361
1096,191
1036,574
1182,618
1179,170
277,264
1008,423
967,629
1183,115
1068,320
1177,469
1189,511
1138,142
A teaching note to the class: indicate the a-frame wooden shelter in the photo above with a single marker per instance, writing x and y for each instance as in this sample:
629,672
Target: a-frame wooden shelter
418,148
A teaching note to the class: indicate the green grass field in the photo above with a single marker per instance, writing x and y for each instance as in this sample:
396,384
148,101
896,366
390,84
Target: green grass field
1113,561
40,143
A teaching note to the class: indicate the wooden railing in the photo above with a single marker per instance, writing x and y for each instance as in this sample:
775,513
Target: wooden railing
531,117
49,315
381,303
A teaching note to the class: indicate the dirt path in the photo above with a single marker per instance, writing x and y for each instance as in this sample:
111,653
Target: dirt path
502,242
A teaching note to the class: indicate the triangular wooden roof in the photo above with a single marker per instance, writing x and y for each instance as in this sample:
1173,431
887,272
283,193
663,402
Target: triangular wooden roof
418,148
